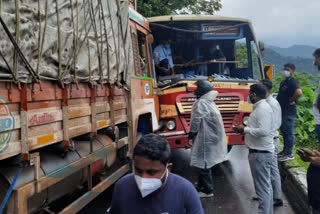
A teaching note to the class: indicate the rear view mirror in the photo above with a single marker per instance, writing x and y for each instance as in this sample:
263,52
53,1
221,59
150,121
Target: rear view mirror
262,49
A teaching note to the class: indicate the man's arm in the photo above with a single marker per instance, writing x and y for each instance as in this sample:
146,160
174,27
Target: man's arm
192,201
295,97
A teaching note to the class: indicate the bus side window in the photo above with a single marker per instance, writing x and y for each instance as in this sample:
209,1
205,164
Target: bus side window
256,71
241,54
242,65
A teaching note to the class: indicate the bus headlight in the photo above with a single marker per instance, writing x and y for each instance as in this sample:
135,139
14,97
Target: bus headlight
245,120
171,124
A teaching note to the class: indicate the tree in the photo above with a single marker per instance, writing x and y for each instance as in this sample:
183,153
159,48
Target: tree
151,8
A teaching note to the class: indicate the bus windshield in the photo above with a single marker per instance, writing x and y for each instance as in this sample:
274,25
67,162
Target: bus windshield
222,48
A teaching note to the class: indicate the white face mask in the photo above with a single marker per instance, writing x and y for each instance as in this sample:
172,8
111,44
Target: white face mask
286,73
149,185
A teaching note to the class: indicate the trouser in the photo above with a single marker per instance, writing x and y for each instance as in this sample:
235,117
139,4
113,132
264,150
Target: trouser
313,180
275,174
318,134
205,181
315,211
287,131
260,165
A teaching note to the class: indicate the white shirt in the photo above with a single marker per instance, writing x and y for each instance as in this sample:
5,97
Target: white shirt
276,109
316,113
258,132
161,53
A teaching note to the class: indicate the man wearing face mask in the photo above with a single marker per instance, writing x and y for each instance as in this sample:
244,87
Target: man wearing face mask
259,140
289,92
151,188
215,54
163,58
207,136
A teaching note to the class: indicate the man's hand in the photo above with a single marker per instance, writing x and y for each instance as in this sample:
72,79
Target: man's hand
292,103
304,156
238,128
189,144
315,160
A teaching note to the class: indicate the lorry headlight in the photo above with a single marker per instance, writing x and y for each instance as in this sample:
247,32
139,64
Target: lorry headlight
245,120
171,124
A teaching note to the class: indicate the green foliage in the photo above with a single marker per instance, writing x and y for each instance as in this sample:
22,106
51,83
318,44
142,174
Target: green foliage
150,8
241,55
304,126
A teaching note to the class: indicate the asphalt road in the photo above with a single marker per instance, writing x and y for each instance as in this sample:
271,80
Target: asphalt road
233,186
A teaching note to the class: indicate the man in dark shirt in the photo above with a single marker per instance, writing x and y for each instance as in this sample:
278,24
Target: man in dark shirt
215,56
152,189
289,92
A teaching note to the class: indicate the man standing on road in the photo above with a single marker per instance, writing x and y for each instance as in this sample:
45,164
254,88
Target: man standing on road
259,140
313,175
289,92
275,175
207,136
151,188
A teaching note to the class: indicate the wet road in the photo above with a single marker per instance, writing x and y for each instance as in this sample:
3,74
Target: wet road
233,186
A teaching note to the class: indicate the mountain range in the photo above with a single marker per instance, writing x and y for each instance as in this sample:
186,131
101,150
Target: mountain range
300,55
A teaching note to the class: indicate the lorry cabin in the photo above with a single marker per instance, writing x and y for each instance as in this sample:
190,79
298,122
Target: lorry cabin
221,49
76,86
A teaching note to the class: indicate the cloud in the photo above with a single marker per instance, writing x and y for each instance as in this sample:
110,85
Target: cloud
281,23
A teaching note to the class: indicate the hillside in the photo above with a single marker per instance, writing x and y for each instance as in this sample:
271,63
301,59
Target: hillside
277,59
304,51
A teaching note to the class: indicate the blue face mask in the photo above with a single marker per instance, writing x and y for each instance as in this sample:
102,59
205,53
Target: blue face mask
167,46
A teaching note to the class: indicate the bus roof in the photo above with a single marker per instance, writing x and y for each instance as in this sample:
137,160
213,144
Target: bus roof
202,18
196,18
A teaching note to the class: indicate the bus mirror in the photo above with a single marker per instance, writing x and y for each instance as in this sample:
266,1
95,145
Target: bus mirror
262,49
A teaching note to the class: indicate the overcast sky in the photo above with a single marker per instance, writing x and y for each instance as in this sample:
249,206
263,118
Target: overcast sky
279,22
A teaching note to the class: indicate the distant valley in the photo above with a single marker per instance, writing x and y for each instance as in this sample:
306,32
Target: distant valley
300,55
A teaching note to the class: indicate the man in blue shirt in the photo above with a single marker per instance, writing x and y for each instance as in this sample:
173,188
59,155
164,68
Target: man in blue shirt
163,58
151,188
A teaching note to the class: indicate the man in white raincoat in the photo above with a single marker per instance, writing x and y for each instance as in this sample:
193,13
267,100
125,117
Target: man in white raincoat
207,136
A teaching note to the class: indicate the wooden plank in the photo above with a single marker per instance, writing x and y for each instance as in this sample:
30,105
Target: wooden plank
44,116
45,129
79,111
39,141
102,107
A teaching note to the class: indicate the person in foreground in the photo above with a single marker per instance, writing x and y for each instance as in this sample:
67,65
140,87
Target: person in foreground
151,188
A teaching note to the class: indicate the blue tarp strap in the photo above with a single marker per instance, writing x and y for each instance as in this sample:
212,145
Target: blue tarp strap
4,202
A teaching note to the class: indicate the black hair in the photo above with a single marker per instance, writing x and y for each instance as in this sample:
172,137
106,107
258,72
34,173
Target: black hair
153,147
316,52
290,65
259,89
267,83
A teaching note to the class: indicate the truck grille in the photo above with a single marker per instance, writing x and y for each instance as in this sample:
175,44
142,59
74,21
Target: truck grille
228,104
